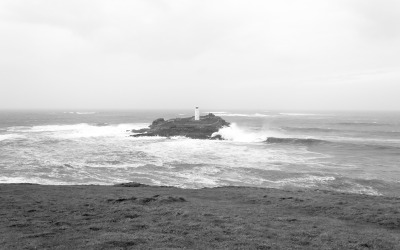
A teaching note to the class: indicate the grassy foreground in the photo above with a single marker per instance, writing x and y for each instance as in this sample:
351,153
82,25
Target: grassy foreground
146,217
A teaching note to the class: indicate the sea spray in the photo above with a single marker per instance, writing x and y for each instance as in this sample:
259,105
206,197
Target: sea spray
239,134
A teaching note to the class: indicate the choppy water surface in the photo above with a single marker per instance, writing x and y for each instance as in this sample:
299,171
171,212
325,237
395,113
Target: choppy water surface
351,152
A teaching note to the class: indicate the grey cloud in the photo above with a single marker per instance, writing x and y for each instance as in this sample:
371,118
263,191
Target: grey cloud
257,54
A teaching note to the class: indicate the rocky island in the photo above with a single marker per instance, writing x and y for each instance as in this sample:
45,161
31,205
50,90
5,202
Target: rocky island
203,128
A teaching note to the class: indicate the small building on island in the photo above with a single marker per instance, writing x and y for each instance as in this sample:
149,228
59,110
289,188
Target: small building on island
197,114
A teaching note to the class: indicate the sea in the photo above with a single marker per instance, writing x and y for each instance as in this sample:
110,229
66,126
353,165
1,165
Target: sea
352,152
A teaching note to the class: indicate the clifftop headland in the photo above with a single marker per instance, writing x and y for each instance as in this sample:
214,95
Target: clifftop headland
188,127
137,216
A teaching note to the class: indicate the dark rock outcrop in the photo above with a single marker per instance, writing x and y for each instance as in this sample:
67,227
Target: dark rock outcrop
188,127
131,184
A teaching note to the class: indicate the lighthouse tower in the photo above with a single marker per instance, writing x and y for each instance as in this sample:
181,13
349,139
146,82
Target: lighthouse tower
197,114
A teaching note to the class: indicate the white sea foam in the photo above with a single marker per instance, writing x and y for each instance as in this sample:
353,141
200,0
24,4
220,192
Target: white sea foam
307,181
260,115
237,134
83,130
17,129
10,137
33,180
195,179
358,188
240,178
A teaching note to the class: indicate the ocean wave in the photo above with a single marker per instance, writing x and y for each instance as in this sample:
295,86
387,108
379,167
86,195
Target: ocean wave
102,124
237,134
244,115
10,137
360,186
304,141
306,181
31,180
389,149
389,133
46,181
364,140
368,133
361,123
349,145
303,129
18,128
336,183
67,131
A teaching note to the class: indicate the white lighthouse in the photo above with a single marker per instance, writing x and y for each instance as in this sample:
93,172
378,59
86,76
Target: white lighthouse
197,114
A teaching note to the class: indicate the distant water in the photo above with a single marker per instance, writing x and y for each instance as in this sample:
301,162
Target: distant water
349,152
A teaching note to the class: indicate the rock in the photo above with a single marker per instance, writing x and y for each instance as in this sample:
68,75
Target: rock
216,137
142,130
157,122
131,184
188,127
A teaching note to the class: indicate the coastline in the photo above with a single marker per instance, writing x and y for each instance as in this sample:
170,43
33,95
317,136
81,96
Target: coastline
148,217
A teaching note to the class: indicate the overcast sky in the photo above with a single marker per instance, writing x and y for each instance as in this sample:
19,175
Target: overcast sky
290,54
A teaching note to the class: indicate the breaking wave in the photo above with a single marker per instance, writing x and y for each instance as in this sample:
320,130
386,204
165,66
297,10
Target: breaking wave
304,141
80,130
237,134
10,137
